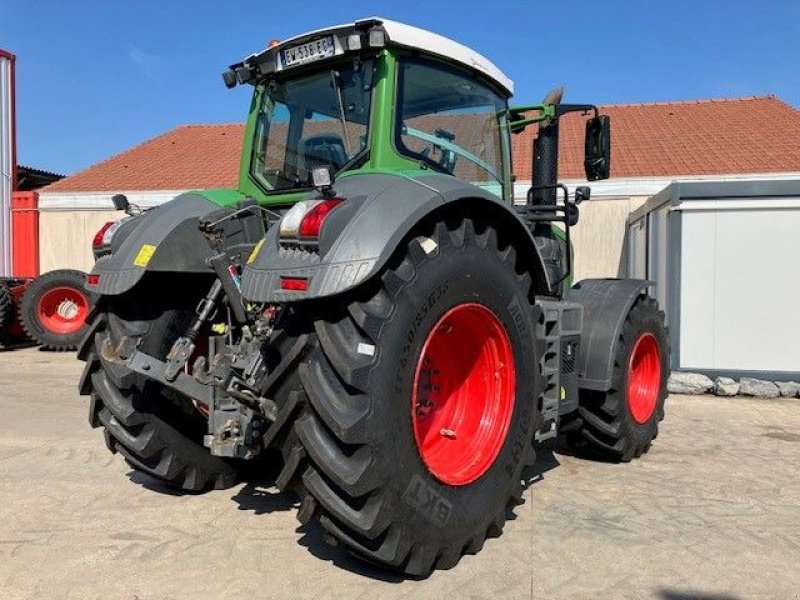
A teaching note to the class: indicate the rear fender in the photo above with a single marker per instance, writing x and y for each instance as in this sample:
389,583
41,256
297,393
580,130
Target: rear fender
360,236
168,239
606,303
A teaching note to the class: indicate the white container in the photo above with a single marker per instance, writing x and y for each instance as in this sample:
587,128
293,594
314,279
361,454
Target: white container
725,256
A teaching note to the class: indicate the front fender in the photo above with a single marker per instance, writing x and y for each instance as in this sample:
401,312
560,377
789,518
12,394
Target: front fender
360,236
165,238
606,303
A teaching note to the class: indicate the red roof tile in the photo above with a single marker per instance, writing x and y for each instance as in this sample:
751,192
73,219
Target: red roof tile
187,157
665,139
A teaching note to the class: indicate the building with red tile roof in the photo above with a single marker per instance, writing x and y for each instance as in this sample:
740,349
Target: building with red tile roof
665,140
652,145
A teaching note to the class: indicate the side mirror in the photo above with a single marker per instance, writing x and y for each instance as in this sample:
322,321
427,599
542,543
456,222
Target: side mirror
121,202
582,192
597,161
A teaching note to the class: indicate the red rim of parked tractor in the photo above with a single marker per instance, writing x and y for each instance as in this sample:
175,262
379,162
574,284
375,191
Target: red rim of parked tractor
463,398
644,377
62,310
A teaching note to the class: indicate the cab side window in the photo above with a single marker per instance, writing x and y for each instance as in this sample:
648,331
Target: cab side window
449,120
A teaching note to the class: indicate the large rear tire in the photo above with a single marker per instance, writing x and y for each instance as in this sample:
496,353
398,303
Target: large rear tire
53,309
620,424
156,430
410,449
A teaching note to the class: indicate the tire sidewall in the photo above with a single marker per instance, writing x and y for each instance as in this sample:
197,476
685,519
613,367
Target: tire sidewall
447,278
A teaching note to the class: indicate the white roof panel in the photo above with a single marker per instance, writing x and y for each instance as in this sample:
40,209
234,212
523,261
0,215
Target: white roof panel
409,36
414,37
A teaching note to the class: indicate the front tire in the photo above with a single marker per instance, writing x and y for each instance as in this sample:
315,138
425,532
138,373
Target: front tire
370,467
620,424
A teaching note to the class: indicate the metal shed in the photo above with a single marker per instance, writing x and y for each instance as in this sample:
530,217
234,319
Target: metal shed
725,256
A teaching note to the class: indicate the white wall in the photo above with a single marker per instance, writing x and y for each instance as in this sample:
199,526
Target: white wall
739,285
65,237
69,221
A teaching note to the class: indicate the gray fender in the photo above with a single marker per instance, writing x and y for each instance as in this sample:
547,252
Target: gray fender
358,237
606,303
171,229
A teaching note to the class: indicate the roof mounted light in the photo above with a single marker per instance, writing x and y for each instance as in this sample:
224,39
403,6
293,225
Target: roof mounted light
354,41
377,37
243,74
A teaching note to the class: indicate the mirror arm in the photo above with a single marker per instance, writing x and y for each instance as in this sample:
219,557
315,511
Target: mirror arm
562,109
546,111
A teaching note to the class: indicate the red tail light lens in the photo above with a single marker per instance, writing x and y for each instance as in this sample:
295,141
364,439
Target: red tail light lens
311,224
93,279
97,242
294,284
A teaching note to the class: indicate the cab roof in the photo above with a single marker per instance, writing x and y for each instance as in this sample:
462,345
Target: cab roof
407,36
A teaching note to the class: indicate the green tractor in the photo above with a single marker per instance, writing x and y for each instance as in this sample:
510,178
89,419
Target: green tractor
369,307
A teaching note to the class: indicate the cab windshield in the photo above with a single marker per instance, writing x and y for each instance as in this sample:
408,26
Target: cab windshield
310,121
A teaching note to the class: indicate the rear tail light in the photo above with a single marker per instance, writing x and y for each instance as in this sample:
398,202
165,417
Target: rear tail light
305,218
97,242
294,284
312,222
106,233
92,279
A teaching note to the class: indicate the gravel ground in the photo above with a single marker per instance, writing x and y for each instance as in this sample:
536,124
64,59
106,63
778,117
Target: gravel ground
713,511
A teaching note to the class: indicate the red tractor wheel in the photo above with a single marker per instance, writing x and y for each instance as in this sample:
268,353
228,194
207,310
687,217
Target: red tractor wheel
54,308
620,424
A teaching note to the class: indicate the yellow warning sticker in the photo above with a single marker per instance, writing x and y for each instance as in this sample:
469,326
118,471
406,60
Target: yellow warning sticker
145,254
254,254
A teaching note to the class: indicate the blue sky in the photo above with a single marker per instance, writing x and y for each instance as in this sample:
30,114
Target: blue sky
94,78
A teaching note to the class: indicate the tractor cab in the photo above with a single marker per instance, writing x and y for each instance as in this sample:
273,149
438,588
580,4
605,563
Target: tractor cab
373,95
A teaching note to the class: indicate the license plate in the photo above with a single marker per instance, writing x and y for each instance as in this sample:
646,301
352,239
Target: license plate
308,52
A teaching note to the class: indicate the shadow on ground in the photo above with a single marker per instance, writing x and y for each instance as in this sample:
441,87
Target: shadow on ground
260,496
683,595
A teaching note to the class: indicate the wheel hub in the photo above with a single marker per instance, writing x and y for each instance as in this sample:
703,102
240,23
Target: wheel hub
68,309
463,398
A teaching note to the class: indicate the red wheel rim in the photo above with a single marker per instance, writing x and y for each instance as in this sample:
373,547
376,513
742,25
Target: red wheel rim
644,377
463,397
62,310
